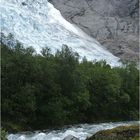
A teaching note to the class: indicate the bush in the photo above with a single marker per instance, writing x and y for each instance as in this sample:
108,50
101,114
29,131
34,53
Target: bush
3,134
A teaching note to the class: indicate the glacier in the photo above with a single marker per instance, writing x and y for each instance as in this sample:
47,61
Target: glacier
38,24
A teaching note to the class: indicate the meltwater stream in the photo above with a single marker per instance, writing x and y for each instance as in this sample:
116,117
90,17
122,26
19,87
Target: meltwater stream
37,23
80,131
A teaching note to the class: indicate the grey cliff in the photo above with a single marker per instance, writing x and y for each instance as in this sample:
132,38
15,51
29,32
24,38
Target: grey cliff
114,23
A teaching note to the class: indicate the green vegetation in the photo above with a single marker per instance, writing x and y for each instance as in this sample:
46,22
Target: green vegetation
3,134
44,90
119,133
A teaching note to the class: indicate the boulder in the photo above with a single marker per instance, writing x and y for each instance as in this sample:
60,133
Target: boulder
70,137
24,4
119,133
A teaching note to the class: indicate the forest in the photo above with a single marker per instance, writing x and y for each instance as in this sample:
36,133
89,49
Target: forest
51,90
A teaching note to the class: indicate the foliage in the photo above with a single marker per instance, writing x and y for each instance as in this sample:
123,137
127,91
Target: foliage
45,90
3,134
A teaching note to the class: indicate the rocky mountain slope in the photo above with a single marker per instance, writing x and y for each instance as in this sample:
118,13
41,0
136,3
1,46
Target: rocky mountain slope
114,23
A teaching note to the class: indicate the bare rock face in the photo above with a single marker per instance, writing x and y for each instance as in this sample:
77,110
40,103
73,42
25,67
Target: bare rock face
114,23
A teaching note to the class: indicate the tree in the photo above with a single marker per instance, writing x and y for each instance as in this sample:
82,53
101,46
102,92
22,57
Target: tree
47,90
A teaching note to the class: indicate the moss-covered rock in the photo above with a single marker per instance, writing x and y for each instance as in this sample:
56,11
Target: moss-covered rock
130,132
